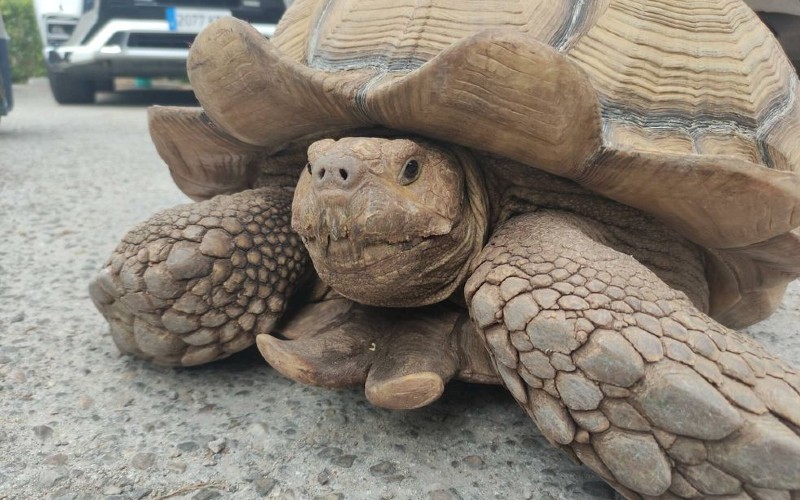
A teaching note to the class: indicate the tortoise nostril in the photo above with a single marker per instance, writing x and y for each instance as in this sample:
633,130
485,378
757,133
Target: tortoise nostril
336,173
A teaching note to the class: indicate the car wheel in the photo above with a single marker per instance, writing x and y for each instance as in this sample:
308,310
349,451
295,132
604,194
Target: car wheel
68,89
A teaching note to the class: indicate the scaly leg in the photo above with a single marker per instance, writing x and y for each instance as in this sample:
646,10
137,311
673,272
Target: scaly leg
197,282
613,364
402,357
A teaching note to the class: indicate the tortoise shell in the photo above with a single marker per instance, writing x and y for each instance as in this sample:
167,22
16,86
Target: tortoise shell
685,109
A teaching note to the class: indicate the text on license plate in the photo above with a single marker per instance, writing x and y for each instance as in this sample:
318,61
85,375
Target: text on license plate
192,20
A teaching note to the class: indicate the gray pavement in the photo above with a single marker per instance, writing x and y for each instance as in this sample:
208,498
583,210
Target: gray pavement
78,420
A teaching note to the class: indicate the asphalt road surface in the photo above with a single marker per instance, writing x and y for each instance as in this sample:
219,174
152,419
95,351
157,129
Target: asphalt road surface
79,420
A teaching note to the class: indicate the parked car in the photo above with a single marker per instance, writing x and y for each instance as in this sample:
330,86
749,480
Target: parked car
56,20
783,18
6,91
88,43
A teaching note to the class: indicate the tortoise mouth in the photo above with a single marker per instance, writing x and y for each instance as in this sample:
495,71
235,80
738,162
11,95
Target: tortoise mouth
346,255
409,273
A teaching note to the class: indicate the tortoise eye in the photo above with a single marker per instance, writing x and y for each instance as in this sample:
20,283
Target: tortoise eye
308,167
410,172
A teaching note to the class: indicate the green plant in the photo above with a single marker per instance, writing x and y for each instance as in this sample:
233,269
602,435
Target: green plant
25,44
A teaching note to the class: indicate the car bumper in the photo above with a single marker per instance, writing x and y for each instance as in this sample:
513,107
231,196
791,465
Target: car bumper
130,47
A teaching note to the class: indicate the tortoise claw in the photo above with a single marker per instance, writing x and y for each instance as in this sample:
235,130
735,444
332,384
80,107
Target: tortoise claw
405,392
335,358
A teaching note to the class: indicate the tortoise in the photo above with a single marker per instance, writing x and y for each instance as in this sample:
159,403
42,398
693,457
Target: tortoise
606,189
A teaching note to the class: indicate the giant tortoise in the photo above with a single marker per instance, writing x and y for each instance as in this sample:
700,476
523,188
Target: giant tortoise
606,188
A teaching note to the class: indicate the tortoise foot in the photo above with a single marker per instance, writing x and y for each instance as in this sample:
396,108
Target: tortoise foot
403,359
649,392
195,283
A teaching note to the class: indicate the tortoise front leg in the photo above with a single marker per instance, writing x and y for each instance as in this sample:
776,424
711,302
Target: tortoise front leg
197,282
402,357
610,362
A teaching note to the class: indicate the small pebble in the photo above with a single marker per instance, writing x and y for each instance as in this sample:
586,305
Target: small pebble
188,446
451,494
384,468
51,477
140,493
43,432
206,494
143,461
56,459
345,461
264,485
259,430
284,494
329,452
65,496
217,445
112,490
176,466
474,461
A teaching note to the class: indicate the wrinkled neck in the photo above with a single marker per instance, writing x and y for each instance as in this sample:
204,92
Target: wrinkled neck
478,216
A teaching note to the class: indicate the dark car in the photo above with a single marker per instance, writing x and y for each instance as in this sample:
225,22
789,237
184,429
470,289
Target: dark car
6,95
783,18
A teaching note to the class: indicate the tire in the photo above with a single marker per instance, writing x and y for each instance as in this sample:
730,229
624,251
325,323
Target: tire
68,89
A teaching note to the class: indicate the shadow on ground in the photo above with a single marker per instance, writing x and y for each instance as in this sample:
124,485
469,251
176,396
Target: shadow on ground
456,392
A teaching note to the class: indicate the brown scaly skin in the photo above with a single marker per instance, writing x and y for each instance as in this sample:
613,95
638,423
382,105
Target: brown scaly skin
403,358
593,314
198,282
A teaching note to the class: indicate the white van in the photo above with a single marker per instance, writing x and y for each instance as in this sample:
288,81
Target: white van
88,43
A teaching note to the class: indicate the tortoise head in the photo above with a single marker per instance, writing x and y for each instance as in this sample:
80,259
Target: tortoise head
390,222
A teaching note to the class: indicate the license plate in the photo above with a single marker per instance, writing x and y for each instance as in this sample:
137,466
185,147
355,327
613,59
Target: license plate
192,20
